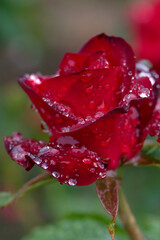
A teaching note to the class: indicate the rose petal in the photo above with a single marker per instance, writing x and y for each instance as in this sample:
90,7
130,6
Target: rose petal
112,136
153,127
65,101
118,52
49,112
77,62
70,162
18,148
65,158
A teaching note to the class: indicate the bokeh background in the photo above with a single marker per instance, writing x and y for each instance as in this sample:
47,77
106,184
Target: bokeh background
34,35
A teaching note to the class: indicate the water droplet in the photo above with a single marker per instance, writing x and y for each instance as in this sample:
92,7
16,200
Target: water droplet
18,152
44,165
105,142
98,114
87,161
37,160
102,174
102,106
95,165
78,152
129,97
81,121
56,174
65,129
52,162
88,118
150,104
67,140
130,73
72,182
107,86
92,170
89,89
35,79
144,92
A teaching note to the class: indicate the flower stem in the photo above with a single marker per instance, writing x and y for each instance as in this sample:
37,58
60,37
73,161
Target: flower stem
127,218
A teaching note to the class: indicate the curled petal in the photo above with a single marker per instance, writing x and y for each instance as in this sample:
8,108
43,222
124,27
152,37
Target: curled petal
119,52
65,158
70,100
20,149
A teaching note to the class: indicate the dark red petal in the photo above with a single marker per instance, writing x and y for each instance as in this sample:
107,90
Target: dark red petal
77,62
65,158
68,100
118,51
100,52
112,136
50,113
19,148
70,162
153,127
86,94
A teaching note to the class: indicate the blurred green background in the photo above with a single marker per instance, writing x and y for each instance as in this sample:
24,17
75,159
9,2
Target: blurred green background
34,35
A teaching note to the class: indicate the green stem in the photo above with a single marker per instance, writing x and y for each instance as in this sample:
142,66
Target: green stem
127,218
41,180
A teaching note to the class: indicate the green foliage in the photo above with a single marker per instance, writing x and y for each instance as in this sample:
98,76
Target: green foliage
90,229
71,229
151,150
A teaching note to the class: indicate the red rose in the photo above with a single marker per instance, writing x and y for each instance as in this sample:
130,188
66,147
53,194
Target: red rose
145,22
98,108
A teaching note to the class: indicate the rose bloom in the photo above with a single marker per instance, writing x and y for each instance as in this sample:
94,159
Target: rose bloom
144,18
99,108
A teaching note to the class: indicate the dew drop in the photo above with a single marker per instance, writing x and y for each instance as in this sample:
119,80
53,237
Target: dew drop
87,161
102,174
92,170
144,92
37,160
52,162
88,118
89,89
56,174
98,114
67,140
72,182
130,73
44,165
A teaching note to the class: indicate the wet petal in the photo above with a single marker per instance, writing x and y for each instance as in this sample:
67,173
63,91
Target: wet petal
77,62
19,148
65,158
66,101
71,162
153,127
112,136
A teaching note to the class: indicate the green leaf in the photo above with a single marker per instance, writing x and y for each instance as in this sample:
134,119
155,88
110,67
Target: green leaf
107,190
6,198
151,150
84,229
39,181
